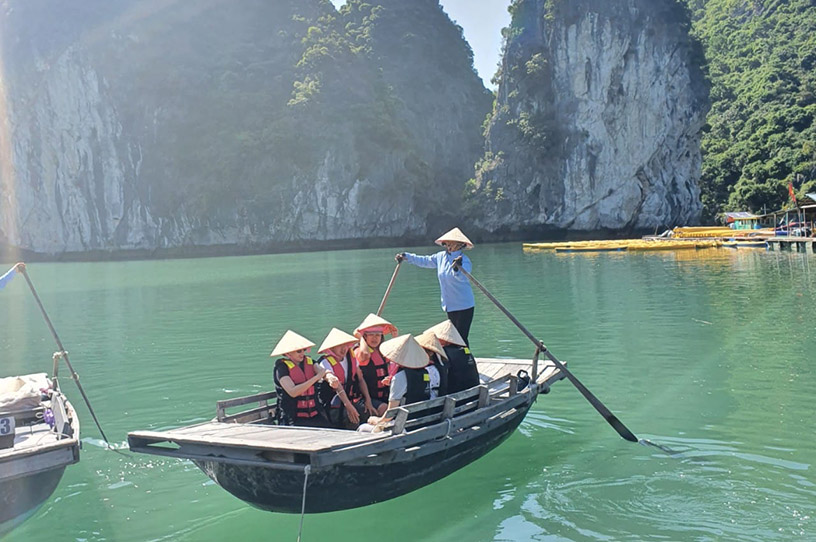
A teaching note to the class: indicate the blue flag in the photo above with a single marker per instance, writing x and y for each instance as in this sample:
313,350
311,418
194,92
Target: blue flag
5,279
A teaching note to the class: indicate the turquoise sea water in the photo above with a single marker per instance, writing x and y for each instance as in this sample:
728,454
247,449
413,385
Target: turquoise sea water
707,352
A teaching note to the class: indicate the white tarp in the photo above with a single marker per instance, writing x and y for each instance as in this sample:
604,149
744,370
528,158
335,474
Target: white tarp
22,392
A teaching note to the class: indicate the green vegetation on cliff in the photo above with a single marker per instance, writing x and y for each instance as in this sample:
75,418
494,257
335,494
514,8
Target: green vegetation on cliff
761,58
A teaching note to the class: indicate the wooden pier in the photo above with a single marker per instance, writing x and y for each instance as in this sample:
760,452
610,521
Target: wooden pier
798,244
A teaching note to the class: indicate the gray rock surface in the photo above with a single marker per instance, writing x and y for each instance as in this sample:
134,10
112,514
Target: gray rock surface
598,121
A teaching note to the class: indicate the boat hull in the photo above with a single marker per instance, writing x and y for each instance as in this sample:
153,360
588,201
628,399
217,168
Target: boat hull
352,485
20,497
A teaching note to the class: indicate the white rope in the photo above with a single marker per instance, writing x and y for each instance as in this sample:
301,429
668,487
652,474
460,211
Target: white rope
306,470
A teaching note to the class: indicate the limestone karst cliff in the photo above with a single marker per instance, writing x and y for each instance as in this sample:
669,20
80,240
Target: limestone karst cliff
598,119
164,125
154,124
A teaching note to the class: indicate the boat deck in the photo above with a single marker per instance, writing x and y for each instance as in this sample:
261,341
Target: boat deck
491,368
27,437
265,437
37,447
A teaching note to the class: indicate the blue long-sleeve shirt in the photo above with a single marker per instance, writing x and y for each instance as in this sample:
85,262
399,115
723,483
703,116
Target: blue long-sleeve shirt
7,277
457,294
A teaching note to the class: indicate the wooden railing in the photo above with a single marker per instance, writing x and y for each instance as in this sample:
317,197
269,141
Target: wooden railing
264,411
404,418
416,415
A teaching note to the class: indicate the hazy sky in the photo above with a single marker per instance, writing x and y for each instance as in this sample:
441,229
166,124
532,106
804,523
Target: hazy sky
482,21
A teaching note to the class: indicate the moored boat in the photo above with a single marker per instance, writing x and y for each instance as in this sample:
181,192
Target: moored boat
745,243
39,437
270,466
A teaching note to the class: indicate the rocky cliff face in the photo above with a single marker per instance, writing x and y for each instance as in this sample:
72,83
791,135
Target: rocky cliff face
598,121
158,124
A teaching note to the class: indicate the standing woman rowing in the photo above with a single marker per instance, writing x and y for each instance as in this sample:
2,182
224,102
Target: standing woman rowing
457,295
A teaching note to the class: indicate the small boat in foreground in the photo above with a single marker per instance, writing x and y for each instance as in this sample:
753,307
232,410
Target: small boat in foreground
39,437
271,466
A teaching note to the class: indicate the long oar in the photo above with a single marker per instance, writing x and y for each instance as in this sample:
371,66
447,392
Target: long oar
613,420
74,375
388,290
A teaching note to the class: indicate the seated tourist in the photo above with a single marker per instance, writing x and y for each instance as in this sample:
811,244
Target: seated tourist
462,370
295,378
371,363
343,400
438,369
411,383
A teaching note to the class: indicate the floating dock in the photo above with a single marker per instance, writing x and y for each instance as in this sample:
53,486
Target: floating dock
798,244
686,238
624,245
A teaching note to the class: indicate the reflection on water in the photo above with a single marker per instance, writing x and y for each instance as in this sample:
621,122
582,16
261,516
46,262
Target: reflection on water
708,352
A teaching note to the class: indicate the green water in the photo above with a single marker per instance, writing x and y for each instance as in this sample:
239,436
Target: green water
709,353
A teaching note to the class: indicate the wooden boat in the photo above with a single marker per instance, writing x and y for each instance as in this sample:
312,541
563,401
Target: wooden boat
739,243
270,467
33,452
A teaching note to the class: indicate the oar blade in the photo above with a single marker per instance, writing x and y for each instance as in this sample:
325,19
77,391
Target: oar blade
622,430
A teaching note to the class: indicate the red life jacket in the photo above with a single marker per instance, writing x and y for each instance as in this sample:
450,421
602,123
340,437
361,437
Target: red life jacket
305,405
346,381
374,370
337,369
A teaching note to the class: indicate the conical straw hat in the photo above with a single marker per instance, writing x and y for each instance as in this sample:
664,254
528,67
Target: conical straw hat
405,352
336,337
377,322
446,331
429,341
290,342
456,236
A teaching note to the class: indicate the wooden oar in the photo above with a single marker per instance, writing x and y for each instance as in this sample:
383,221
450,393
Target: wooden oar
388,290
613,420
64,354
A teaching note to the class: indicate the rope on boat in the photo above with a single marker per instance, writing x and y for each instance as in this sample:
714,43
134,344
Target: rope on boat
306,470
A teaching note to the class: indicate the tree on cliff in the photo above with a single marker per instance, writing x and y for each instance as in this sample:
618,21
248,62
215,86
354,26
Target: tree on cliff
761,58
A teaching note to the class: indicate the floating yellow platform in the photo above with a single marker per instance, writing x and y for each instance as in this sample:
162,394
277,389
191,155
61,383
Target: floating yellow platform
621,245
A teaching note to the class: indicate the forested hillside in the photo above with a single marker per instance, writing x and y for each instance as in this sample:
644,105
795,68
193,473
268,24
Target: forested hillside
761,57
